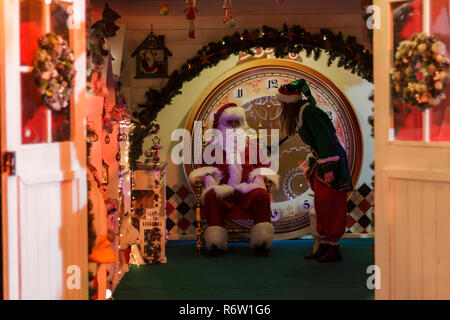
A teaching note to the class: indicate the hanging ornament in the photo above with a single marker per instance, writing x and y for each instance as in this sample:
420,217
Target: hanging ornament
164,8
107,139
227,17
148,153
156,146
118,156
191,9
91,136
98,85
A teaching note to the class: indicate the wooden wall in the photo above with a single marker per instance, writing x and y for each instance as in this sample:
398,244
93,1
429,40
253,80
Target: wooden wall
139,16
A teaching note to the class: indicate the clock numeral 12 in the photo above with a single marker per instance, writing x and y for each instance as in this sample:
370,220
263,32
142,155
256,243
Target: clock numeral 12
272,84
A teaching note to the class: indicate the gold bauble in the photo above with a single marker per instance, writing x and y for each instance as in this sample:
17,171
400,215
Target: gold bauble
409,71
422,48
438,57
438,85
431,68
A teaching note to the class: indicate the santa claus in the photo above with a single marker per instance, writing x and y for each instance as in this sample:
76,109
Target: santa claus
234,183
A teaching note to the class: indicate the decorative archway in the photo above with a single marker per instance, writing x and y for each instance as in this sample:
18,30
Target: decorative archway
350,55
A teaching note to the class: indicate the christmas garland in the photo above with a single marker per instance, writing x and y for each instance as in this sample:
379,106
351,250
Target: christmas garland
92,235
349,54
54,71
421,71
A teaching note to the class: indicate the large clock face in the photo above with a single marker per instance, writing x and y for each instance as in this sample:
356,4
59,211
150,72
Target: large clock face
253,86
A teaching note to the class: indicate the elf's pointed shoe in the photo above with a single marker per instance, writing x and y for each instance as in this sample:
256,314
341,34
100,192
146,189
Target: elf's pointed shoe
320,252
333,255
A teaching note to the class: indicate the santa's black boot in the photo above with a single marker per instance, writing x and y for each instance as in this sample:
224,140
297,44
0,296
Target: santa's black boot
333,254
215,251
261,251
216,238
320,252
261,237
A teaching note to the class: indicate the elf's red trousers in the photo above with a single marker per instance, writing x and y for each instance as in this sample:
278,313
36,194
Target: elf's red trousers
253,205
331,210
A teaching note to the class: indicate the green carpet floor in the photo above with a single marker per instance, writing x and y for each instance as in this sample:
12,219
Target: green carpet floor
240,275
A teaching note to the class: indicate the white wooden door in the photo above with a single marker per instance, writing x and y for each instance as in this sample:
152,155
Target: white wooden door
45,226
412,166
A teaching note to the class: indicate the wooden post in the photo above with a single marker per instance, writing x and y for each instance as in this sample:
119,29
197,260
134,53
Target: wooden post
198,218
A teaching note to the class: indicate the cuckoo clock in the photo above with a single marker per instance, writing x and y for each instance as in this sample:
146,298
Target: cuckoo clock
151,57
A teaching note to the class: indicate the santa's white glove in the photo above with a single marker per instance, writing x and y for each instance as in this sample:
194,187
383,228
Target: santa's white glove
259,180
209,181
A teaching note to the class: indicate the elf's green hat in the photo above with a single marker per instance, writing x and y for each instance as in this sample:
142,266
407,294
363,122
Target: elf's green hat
292,92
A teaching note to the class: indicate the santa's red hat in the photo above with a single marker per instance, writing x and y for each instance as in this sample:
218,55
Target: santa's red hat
230,111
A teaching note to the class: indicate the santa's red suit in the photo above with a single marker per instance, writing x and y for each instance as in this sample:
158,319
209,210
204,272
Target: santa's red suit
235,189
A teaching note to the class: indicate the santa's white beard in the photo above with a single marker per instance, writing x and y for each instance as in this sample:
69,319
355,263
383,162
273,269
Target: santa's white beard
233,139
234,143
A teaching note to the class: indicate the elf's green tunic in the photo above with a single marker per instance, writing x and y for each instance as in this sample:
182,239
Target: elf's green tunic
316,129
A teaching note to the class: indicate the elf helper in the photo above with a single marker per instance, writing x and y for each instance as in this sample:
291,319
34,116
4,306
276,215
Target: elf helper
328,172
234,183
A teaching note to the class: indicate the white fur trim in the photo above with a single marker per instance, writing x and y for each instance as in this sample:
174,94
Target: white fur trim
216,235
329,159
262,233
247,187
221,191
311,155
300,116
313,224
288,98
234,113
199,173
266,173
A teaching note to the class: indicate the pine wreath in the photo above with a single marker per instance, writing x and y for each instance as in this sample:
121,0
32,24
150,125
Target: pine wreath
421,71
54,71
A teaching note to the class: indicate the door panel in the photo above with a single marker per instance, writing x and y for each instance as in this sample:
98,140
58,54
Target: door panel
412,177
47,198
418,240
